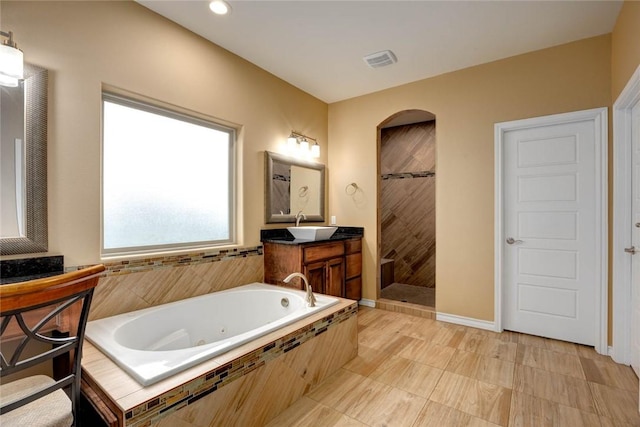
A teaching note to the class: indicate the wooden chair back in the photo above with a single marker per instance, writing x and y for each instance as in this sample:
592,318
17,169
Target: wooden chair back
27,310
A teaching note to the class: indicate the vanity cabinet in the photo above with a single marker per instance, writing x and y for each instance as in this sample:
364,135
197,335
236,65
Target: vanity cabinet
332,267
353,273
326,277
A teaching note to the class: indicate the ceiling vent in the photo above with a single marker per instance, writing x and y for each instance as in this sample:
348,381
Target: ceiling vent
380,59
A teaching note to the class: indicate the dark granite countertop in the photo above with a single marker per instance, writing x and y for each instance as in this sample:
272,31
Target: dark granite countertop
22,270
282,236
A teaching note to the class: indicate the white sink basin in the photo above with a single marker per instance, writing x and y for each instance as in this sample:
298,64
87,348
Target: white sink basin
312,233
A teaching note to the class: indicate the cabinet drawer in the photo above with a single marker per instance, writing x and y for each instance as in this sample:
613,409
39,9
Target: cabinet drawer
354,245
354,265
326,251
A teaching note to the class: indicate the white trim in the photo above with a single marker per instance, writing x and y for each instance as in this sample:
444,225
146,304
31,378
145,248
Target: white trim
610,351
599,116
466,321
621,262
367,303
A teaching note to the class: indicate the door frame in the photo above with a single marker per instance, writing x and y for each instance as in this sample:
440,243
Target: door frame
621,262
599,117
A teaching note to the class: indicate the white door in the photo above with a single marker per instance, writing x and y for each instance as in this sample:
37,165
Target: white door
552,189
635,239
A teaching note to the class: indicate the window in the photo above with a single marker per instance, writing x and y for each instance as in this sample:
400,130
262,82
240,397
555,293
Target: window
167,179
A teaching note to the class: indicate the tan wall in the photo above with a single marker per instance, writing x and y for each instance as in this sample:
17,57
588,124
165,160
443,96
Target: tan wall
466,103
625,46
122,44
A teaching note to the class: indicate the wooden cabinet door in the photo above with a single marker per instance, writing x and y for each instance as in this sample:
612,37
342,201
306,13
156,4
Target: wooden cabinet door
316,274
353,288
335,277
280,261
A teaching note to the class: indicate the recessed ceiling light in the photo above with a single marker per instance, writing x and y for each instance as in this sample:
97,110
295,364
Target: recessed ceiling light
220,7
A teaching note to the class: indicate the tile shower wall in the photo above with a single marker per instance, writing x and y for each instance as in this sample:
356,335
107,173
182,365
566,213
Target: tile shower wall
407,164
137,284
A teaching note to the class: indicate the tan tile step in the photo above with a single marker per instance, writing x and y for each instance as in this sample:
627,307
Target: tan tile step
406,308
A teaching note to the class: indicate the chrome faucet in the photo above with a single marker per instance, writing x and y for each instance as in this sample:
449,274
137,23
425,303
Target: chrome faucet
298,216
311,299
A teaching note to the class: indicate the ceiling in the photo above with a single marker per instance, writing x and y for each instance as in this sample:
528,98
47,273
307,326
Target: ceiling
318,46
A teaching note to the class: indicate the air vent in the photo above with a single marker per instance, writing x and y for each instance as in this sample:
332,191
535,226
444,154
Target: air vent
380,59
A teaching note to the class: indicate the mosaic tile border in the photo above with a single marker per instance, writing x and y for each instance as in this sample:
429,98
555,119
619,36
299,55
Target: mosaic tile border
405,175
137,265
146,414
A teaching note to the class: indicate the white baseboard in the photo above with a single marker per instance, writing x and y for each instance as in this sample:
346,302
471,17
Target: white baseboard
367,303
466,321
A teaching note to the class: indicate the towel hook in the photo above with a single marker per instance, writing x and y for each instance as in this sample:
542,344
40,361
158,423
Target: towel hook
351,189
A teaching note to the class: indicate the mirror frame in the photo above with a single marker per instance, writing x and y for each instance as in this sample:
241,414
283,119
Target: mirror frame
35,129
270,157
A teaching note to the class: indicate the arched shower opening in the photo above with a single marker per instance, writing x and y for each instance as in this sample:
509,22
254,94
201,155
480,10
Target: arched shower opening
407,208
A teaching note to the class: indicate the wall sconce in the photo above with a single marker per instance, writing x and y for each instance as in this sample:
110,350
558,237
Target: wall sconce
299,144
11,61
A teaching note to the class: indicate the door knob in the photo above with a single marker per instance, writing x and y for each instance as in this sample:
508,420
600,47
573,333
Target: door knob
637,224
511,240
632,250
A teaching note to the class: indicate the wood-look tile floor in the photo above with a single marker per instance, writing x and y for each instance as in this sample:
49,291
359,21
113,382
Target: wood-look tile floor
418,372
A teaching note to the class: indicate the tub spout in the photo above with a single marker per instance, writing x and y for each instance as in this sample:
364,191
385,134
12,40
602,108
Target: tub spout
311,299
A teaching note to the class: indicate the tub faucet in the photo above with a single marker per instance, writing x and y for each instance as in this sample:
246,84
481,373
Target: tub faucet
311,299
300,215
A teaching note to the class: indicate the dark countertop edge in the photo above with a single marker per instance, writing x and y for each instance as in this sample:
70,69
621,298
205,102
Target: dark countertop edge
18,279
282,236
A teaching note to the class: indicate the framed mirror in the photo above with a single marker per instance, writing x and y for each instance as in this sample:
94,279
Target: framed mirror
292,186
23,157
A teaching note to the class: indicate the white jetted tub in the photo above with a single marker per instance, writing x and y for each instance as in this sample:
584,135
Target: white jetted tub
157,342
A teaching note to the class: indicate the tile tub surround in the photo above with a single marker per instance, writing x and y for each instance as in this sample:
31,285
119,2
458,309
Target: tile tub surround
247,386
137,265
163,280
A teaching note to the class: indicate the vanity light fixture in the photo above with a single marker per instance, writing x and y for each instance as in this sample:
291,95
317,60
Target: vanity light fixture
220,7
299,144
304,145
292,143
11,61
315,150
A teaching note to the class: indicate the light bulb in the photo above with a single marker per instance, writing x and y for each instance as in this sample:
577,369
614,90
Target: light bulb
315,150
11,65
292,143
304,146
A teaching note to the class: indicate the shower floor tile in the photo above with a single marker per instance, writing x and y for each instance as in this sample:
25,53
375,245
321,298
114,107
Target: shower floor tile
410,293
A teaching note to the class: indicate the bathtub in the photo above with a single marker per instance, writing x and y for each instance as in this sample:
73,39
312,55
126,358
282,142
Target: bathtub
157,342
